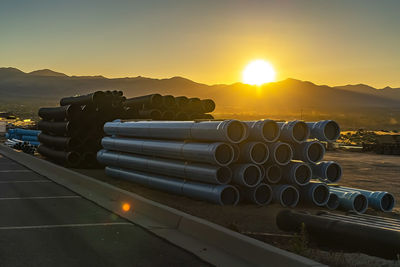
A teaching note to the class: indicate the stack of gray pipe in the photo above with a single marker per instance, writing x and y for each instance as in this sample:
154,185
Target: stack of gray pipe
220,160
168,107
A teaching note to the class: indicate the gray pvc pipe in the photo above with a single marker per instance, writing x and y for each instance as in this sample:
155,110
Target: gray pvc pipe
263,130
378,200
333,202
327,171
193,171
286,195
314,193
246,174
219,194
297,173
327,130
229,130
311,151
294,131
214,153
260,195
354,201
255,152
273,173
279,153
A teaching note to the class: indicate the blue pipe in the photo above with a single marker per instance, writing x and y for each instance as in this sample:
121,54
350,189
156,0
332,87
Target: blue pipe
352,200
25,132
378,200
29,138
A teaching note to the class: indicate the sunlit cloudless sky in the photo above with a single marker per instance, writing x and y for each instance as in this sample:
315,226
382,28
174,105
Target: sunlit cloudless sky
326,42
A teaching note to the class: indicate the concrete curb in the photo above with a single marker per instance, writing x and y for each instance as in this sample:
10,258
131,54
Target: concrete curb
211,242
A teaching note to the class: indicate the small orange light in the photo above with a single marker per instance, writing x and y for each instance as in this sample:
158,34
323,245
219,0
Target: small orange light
126,207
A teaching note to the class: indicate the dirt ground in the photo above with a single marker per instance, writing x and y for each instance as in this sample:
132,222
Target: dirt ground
360,170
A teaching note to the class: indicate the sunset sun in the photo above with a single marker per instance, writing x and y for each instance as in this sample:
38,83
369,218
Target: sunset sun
258,72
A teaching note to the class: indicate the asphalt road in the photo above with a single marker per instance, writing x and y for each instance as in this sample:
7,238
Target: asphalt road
44,224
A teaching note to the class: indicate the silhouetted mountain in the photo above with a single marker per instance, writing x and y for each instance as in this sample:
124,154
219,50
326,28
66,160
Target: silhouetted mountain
387,92
289,96
47,72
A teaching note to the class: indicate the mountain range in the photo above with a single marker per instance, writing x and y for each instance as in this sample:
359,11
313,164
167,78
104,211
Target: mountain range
282,98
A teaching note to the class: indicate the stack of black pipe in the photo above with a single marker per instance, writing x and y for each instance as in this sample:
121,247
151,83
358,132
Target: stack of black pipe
168,107
71,134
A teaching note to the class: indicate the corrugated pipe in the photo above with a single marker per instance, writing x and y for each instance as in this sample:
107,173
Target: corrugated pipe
273,173
59,142
333,202
193,171
229,130
260,195
57,127
279,153
378,200
96,98
354,201
246,174
311,151
69,112
327,130
327,171
219,194
69,158
214,153
286,195
263,130
314,193
294,131
255,152
151,101
297,173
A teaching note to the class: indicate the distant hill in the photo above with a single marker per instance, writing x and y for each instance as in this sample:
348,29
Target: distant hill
289,96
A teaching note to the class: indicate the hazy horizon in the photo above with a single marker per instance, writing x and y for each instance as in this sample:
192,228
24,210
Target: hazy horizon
326,42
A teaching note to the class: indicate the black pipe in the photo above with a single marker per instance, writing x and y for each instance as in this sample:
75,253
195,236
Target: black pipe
207,105
181,101
71,159
194,104
69,112
130,113
169,102
59,142
153,100
153,114
168,115
96,98
341,235
89,159
181,116
57,127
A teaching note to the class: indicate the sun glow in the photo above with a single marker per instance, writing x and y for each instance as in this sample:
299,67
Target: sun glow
258,72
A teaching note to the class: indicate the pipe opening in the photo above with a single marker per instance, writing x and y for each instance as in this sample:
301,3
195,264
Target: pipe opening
168,101
251,175
387,202
315,152
224,175
333,202
302,174
360,203
321,195
223,154
74,142
289,197
274,174
283,154
334,172
259,153
263,194
73,158
271,131
229,196
181,116
236,131
300,131
332,131
168,115
99,96
155,114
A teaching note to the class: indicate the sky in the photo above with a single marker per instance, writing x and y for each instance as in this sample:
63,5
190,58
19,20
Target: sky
208,41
